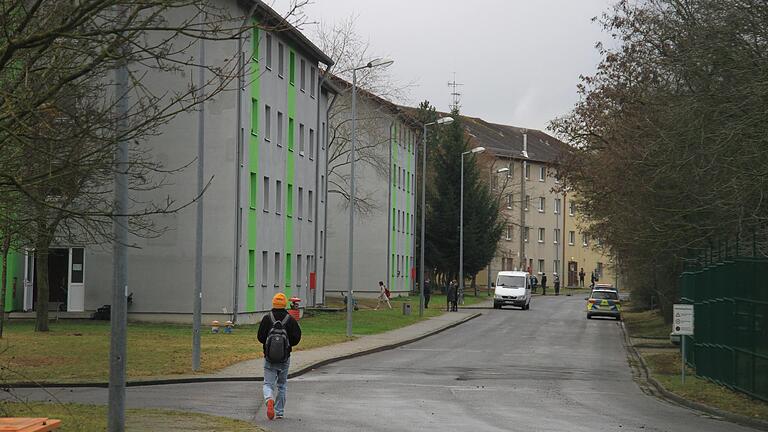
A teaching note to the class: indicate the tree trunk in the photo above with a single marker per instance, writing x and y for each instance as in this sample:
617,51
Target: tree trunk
41,270
4,290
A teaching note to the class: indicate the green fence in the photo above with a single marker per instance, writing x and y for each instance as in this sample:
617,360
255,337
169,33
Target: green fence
730,345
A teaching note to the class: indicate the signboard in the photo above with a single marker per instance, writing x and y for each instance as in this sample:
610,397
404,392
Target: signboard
682,319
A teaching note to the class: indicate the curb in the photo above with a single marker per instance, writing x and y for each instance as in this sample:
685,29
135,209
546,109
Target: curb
195,380
662,393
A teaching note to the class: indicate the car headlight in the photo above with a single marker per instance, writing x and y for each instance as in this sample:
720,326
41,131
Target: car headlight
497,296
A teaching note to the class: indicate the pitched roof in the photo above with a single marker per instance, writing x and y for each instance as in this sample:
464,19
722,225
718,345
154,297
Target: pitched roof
401,111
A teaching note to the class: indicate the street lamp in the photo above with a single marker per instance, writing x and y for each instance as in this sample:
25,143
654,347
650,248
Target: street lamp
490,182
461,219
440,121
371,64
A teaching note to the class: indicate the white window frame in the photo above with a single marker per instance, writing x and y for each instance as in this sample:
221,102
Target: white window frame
571,238
557,236
542,173
542,235
542,204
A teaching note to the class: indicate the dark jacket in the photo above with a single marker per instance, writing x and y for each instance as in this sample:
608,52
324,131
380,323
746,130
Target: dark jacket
292,328
453,292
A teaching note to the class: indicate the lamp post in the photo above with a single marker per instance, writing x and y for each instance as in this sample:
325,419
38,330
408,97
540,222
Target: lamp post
371,64
490,182
440,121
461,219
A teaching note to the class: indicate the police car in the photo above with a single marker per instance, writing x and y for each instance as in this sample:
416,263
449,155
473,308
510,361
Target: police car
604,302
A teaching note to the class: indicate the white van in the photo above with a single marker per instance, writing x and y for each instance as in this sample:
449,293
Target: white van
512,288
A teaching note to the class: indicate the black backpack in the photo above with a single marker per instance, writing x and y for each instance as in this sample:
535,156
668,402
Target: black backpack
277,347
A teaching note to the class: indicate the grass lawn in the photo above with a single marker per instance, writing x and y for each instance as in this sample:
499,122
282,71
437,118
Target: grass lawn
78,350
664,365
93,418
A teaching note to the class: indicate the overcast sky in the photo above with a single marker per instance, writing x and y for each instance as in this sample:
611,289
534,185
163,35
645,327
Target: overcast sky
519,60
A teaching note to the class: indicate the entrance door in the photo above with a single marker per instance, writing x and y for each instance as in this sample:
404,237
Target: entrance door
29,277
573,275
76,290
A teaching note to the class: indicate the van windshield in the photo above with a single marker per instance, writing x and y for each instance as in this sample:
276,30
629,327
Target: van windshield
511,281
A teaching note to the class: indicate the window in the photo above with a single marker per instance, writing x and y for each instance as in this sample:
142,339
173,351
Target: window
280,60
310,207
301,202
572,208
298,270
264,268
509,201
251,267
557,236
278,196
267,122
556,266
311,143
301,139
509,232
277,269
571,237
303,75
542,173
279,128
76,267
254,184
525,233
407,223
584,239
322,239
291,133
255,45
541,266
312,80
398,220
527,202
527,170
542,202
322,137
322,188
289,201
557,205
266,194
288,268
541,235
413,182
268,43
599,270
292,68
254,116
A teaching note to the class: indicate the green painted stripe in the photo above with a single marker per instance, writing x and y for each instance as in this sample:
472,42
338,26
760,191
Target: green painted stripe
393,186
409,164
253,170
290,161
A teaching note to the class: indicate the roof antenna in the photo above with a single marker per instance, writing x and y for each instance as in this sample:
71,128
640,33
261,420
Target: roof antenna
455,95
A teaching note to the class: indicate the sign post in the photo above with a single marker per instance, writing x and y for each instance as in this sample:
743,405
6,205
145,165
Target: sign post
682,325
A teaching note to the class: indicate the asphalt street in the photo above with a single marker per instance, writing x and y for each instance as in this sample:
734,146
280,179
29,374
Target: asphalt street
546,369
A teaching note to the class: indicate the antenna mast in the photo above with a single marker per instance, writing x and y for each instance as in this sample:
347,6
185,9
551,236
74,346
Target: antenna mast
455,95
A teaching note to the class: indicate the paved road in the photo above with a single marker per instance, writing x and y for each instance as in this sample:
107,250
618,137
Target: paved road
547,369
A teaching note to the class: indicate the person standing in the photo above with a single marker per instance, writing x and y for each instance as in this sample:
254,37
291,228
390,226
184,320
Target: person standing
543,283
427,293
453,296
279,333
383,296
557,284
581,278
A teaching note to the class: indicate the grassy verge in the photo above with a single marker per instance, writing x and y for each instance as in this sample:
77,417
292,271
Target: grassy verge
664,365
78,350
93,418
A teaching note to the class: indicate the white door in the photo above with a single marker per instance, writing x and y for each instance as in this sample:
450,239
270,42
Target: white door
29,277
76,287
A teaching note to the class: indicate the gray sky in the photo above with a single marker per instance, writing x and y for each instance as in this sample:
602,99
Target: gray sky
519,60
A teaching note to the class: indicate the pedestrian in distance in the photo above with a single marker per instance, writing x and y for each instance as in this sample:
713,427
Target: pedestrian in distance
279,333
453,296
557,284
534,283
383,296
593,279
543,283
581,277
427,293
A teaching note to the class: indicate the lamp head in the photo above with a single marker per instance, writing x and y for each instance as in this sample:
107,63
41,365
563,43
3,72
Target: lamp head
478,150
444,120
502,170
379,62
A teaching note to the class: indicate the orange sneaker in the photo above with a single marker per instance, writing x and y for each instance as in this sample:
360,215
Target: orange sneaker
270,409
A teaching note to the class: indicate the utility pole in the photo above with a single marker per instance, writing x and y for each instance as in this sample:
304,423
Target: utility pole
119,307
198,300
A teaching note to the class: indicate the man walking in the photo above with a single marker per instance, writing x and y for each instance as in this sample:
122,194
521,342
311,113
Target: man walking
581,278
543,283
279,333
426,293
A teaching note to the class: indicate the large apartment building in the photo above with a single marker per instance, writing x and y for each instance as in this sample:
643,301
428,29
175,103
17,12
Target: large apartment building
387,142
264,211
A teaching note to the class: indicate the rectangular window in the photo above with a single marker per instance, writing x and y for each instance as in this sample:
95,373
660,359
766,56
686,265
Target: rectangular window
264,268
255,45
76,267
253,184
572,208
525,233
277,269
291,133
251,267
301,139
310,206
301,203
322,188
541,266
527,171
254,117
288,269
542,202
311,143
322,244
413,182
292,68
557,236
557,205
541,235
279,128
509,201
555,267
267,122
280,60
303,75
571,237
268,42
278,197
312,79
322,137
393,220
298,270
527,202
289,201
509,232
542,173
398,220
265,193
584,239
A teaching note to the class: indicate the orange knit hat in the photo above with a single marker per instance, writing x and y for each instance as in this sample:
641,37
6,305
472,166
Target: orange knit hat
279,301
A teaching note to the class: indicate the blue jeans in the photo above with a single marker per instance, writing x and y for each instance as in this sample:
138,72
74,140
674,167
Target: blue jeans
276,374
